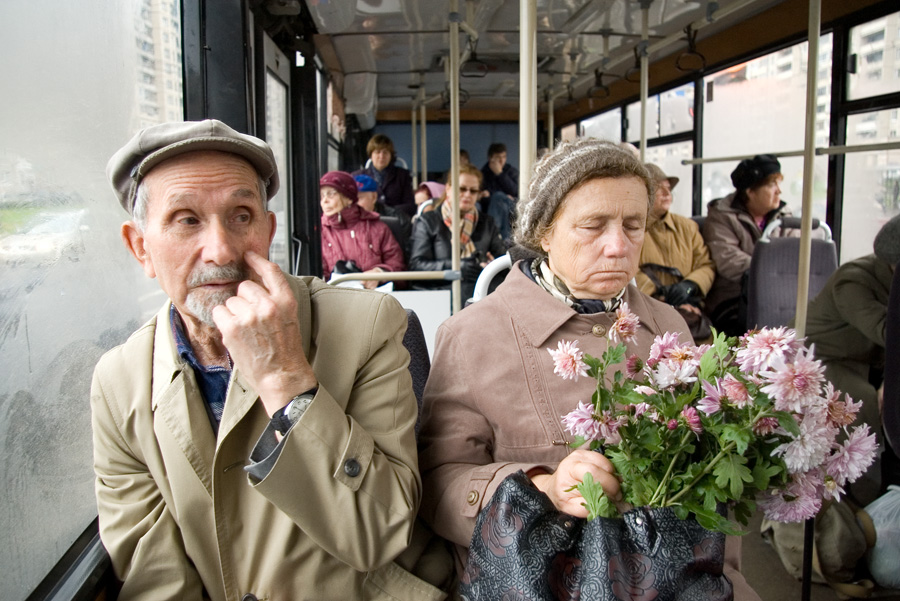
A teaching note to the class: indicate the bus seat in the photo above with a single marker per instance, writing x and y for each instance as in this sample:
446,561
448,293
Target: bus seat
494,268
699,219
419,362
772,278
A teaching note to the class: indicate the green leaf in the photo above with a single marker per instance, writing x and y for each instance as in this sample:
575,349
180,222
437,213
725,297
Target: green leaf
596,502
577,442
763,472
711,520
593,363
731,472
708,363
739,435
787,421
743,511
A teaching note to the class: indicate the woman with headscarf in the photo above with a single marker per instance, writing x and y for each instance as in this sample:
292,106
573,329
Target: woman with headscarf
353,234
492,405
731,230
479,239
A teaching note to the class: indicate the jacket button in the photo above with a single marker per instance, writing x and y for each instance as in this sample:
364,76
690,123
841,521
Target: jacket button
472,497
352,468
598,330
249,597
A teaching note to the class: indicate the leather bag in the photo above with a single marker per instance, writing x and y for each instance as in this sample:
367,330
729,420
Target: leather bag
524,549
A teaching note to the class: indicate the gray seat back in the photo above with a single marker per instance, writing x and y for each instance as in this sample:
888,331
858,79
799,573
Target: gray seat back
419,363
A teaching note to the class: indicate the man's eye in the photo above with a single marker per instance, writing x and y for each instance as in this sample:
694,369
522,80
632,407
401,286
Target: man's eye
242,218
188,221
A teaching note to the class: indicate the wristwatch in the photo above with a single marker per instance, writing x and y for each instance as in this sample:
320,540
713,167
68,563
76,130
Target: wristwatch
290,414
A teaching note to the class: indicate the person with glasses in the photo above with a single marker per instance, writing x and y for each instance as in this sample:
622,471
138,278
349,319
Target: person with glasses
479,238
353,239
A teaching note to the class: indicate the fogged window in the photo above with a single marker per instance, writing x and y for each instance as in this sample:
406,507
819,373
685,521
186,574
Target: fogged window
668,157
871,182
760,107
875,53
87,77
607,126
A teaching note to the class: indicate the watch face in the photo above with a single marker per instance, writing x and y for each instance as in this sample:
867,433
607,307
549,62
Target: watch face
298,407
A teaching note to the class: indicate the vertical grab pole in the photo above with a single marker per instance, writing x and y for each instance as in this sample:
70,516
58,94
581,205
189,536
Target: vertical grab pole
550,125
809,154
645,71
455,18
414,167
527,92
424,138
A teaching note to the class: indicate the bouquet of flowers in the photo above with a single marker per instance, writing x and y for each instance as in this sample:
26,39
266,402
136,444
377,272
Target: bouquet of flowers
743,421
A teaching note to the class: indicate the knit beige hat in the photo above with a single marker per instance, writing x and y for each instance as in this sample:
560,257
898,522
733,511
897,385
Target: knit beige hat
559,172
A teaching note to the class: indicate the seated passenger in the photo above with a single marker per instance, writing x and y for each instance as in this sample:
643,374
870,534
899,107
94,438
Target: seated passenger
249,442
479,240
367,198
394,183
500,189
353,239
491,405
732,227
675,263
846,322
427,197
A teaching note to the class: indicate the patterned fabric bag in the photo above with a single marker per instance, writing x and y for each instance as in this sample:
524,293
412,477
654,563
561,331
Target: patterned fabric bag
523,549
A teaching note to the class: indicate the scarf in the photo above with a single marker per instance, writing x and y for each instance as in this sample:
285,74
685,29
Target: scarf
467,222
540,272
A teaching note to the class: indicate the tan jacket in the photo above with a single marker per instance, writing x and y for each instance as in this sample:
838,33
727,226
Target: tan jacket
493,405
675,241
179,515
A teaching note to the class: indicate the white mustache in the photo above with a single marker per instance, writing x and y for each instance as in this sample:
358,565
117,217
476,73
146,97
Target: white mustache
205,275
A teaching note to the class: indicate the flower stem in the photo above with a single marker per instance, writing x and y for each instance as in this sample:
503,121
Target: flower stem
663,484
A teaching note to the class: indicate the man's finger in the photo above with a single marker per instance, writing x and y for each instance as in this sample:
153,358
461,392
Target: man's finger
269,273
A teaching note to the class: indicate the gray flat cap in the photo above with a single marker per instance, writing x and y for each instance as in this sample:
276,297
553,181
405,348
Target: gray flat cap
154,144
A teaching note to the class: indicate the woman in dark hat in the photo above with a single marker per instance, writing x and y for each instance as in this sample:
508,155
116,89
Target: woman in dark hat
732,227
352,234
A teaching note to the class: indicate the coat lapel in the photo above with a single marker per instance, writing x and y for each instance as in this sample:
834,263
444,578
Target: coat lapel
178,403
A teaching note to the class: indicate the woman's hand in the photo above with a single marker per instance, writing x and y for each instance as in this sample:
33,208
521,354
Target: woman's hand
560,485
372,284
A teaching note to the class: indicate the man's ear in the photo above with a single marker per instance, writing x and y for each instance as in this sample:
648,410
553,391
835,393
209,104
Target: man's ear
136,244
272,223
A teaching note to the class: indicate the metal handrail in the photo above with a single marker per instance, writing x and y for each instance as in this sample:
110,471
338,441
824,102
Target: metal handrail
799,153
383,276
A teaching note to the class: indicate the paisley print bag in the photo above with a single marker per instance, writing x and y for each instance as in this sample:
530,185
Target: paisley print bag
523,549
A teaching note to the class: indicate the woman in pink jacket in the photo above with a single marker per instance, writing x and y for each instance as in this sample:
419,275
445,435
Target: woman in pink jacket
350,233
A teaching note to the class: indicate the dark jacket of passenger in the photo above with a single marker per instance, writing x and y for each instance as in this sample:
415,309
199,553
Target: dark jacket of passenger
403,232
395,189
731,233
507,181
431,247
492,405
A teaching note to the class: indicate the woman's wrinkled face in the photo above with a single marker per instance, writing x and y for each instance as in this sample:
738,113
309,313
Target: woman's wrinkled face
332,201
469,189
766,197
594,246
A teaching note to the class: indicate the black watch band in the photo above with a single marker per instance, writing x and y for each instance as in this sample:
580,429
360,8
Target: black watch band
288,415
281,422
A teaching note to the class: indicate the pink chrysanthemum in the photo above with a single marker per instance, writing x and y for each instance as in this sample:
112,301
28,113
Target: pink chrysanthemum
609,428
811,447
669,374
840,413
581,422
765,426
692,419
797,502
625,326
661,345
735,391
851,459
796,385
712,402
567,360
832,490
644,390
766,347
633,366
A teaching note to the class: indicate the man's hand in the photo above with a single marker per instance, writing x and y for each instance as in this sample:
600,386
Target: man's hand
372,284
495,163
262,334
560,485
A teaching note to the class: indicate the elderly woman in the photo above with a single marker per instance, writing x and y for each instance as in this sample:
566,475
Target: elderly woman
492,405
480,240
731,229
351,233
394,183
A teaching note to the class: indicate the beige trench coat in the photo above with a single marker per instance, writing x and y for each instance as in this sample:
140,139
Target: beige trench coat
493,405
178,513
675,241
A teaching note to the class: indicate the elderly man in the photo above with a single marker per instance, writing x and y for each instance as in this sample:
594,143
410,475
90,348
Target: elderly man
255,438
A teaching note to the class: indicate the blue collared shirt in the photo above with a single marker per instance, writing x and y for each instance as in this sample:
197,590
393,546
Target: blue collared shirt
212,379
